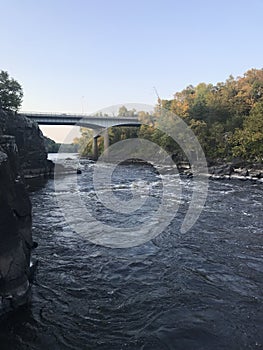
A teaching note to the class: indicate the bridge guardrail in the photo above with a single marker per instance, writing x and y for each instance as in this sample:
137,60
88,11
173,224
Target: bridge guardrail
70,115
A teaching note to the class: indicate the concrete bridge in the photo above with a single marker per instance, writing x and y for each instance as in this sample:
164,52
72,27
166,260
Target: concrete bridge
99,124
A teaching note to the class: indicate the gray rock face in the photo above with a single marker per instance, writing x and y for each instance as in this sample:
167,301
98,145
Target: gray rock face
30,143
15,229
22,154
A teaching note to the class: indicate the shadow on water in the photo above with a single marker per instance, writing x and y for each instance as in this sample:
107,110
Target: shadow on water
36,184
15,326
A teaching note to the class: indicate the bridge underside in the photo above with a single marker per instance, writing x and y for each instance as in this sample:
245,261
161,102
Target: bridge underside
99,125
91,122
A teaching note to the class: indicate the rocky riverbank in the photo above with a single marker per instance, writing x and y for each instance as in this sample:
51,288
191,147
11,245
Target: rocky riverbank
15,229
217,169
229,170
237,169
22,154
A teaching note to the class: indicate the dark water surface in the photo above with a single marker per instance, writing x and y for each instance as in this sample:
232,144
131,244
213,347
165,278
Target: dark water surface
199,290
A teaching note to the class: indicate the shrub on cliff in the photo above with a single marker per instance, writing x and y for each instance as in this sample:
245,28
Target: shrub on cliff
11,93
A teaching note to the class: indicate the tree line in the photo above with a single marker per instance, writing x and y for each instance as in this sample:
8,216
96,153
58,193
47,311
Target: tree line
227,119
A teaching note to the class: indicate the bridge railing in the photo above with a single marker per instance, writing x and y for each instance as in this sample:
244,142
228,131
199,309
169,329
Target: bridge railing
69,115
31,113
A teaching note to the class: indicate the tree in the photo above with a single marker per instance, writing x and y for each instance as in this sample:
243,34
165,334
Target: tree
248,143
11,93
51,145
124,112
84,141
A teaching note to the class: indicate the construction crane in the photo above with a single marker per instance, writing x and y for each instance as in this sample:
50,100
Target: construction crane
158,97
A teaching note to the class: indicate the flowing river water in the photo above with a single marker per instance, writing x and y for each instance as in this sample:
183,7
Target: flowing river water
198,290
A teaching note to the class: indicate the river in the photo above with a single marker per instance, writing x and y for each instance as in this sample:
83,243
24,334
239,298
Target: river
198,290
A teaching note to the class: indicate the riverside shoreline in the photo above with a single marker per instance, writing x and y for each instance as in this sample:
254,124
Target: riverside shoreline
228,170
236,169
216,170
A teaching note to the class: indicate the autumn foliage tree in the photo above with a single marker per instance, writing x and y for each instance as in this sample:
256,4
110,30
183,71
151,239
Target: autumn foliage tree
227,118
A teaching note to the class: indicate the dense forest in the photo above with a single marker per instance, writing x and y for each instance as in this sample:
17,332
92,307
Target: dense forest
227,119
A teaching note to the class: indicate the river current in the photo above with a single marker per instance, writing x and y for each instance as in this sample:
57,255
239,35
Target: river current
199,290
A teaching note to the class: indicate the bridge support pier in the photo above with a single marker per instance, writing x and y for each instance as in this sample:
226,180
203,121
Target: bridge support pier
95,150
106,142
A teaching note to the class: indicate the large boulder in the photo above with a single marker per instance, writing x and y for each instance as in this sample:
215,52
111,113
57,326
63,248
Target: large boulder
221,170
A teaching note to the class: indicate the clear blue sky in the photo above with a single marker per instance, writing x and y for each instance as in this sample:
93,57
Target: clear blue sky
83,55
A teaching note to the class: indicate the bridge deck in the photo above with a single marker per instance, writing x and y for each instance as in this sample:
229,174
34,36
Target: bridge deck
89,121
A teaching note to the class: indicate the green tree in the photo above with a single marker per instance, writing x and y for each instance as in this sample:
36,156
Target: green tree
84,141
11,93
248,142
124,112
226,117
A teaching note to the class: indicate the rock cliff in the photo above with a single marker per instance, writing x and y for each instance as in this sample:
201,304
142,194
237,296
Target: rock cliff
15,229
30,143
22,152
